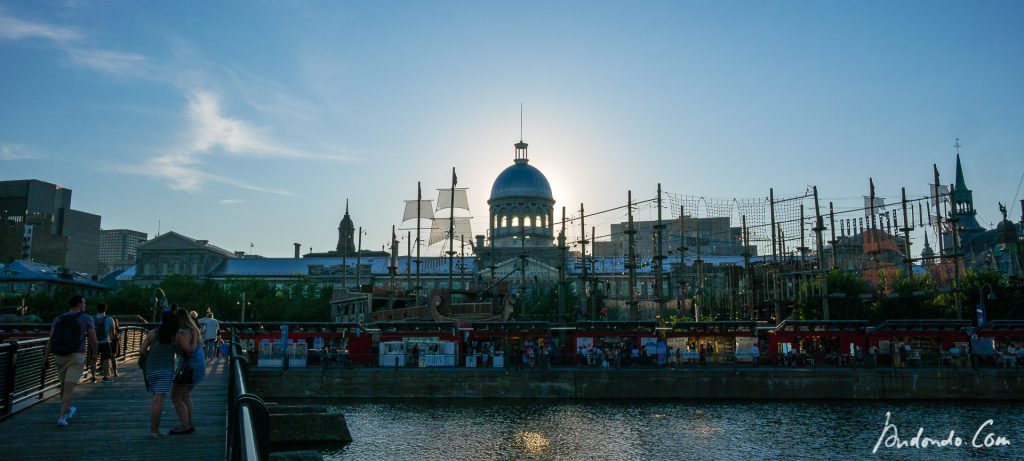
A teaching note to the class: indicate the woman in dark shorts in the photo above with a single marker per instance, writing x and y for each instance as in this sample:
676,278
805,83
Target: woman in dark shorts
158,349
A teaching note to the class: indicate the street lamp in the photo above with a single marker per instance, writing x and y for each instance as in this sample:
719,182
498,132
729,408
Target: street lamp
981,301
242,304
156,302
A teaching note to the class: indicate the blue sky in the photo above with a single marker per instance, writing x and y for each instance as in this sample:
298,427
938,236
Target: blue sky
252,122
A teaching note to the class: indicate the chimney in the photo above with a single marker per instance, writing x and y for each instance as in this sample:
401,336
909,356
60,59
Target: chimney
297,247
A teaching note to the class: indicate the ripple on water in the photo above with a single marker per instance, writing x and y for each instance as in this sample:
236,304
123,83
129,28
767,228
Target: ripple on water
567,430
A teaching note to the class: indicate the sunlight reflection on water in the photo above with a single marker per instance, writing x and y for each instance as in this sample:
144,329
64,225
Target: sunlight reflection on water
507,430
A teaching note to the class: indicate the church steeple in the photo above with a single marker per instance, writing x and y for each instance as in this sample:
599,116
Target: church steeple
963,201
927,254
346,230
960,183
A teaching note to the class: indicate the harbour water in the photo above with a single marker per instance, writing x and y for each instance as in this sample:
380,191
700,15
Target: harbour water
725,430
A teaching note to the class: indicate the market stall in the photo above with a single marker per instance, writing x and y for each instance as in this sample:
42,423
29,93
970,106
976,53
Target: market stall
817,342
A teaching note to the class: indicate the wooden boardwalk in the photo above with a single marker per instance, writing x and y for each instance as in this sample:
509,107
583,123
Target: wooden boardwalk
112,423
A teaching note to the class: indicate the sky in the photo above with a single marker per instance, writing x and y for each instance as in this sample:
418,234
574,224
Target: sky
249,124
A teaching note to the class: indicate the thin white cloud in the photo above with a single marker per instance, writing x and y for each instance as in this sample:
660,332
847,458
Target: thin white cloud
16,152
212,130
178,169
231,201
249,186
182,173
18,29
74,43
110,61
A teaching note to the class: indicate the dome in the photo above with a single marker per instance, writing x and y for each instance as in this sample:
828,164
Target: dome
521,180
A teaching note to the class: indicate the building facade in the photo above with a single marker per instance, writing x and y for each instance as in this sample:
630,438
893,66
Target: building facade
39,215
175,254
118,248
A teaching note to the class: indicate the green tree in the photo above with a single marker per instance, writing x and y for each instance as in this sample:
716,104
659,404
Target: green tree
845,302
911,298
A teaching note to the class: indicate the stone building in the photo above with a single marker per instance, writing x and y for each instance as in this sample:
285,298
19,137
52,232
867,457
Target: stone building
175,254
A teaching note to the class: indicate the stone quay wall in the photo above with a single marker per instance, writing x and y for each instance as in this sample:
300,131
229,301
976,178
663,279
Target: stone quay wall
711,383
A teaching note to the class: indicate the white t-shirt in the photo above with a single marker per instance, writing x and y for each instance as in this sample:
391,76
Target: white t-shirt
210,326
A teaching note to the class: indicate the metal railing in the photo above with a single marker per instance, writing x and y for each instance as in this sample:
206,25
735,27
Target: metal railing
24,381
248,418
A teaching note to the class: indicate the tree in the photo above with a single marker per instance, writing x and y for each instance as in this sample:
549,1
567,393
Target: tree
845,302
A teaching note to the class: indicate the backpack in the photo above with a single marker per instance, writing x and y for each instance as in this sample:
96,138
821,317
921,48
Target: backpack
102,333
67,335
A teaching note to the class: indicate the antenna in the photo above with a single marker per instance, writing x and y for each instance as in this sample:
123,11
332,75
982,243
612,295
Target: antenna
520,121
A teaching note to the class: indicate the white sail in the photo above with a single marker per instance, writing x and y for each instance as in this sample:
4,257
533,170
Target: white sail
439,231
426,210
444,199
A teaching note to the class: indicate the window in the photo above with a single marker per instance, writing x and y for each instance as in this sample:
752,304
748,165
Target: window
536,219
527,222
495,221
515,221
504,221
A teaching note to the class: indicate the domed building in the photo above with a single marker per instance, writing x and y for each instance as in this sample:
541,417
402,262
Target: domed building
521,221
521,205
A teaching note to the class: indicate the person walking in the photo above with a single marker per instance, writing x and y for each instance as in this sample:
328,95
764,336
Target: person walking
191,370
104,334
157,352
209,326
70,333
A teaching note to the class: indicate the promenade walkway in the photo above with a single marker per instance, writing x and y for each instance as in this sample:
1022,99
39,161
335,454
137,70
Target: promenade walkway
112,423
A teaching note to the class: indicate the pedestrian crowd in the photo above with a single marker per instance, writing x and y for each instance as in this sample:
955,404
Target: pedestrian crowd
173,357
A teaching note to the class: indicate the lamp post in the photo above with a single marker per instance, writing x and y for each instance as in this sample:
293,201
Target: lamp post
981,302
242,305
156,302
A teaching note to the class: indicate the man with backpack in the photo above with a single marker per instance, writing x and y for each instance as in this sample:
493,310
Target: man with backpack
68,337
105,330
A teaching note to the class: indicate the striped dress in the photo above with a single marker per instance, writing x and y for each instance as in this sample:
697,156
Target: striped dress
160,367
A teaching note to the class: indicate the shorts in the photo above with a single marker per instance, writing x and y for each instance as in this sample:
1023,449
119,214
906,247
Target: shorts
70,367
105,351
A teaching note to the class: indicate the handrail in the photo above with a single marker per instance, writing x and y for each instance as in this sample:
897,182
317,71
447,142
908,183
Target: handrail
248,418
24,381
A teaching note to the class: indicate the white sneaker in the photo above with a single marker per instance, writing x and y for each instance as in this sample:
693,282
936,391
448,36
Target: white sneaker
71,413
62,422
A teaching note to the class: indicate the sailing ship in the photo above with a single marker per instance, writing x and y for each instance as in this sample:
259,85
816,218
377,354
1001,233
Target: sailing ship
448,221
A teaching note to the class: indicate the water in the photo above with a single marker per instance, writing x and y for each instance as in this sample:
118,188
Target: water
569,430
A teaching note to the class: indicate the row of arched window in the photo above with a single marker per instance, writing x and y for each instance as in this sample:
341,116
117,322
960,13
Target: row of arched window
514,221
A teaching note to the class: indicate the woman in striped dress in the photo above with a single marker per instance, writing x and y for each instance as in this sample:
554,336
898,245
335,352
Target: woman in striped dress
158,349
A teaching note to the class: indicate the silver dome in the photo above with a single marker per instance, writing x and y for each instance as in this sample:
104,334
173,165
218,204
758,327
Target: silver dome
521,180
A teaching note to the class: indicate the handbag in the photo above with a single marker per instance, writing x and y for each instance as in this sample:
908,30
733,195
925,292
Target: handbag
184,374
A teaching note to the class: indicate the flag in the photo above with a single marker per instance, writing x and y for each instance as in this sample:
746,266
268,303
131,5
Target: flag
455,179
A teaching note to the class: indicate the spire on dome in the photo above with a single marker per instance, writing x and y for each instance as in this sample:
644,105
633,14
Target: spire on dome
521,146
